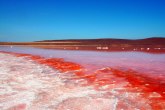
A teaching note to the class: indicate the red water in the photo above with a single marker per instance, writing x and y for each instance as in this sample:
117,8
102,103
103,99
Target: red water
148,89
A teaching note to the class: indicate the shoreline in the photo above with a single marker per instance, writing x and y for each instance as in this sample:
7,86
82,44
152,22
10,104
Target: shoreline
94,48
152,45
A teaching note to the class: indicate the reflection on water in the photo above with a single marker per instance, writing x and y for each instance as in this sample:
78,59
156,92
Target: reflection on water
80,79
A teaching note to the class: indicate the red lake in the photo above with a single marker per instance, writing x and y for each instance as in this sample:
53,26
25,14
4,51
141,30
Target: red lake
49,79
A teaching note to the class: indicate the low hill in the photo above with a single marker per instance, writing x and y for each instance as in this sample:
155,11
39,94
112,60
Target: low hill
155,44
154,40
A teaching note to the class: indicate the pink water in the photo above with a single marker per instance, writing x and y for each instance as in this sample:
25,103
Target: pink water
81,80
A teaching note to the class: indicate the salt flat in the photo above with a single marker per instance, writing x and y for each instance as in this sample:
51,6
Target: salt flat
27,85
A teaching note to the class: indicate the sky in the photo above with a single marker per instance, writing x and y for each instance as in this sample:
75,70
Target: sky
34,20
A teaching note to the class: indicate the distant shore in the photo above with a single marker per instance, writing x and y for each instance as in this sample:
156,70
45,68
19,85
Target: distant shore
145,45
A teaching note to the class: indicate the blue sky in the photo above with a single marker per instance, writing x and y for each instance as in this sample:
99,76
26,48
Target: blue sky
32,20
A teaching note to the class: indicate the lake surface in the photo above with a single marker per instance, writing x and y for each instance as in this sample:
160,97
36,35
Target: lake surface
113,80
138,61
